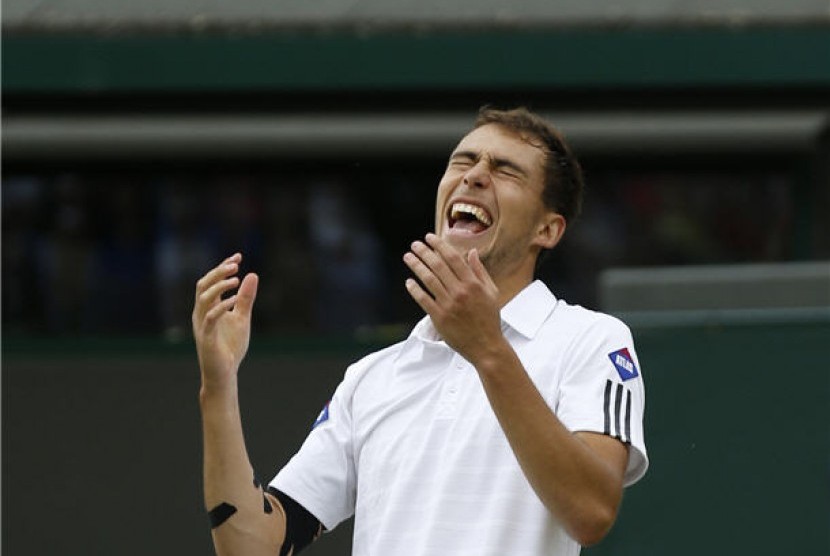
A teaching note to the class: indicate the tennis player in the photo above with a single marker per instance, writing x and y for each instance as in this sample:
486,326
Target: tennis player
508,422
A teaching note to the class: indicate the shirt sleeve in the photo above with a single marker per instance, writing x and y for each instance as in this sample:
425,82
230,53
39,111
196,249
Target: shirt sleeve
321,475
602,390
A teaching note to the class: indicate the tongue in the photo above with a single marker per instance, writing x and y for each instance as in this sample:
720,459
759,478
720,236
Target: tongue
471,226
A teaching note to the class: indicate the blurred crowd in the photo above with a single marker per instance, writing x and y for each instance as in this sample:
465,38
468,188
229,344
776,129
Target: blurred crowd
105,253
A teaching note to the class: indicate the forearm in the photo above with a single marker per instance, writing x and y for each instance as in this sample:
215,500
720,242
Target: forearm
229,479
577,486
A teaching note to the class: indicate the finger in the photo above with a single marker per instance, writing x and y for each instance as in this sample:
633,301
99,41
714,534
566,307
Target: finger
477,267
222,270
210,297
235,258
425,275
247,295
421,297
451,257
435,262
217,311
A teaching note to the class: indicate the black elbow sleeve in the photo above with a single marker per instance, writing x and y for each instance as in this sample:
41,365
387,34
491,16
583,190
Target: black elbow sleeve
301,527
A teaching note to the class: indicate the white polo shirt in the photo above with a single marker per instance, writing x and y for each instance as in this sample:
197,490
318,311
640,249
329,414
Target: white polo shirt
410,445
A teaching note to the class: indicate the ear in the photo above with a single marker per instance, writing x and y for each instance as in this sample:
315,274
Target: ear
550,230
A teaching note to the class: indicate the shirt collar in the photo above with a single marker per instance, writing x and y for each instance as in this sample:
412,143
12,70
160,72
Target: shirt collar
529,309
525,314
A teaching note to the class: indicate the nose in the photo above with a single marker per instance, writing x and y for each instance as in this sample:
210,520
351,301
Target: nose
478,175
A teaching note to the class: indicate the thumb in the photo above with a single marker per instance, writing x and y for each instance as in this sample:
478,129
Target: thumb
246,294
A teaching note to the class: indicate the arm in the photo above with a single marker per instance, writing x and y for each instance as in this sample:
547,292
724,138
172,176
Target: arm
578,477
221,329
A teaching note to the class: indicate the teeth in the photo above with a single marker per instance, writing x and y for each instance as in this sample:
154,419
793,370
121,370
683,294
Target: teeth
479,213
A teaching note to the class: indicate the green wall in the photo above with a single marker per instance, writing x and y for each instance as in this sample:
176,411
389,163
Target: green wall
101,448
738,430
414,61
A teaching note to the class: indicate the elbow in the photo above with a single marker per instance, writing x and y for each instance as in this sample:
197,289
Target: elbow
590,537
594,527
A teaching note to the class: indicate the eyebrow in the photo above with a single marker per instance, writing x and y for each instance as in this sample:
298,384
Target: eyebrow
495,162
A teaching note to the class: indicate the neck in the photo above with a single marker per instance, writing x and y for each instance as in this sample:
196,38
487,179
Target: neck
510,286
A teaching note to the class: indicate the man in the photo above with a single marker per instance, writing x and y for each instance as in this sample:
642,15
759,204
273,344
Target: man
507,423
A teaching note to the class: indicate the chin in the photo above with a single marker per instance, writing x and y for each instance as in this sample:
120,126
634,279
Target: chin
465,243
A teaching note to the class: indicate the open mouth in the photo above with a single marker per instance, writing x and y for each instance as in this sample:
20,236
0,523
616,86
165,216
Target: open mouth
470,218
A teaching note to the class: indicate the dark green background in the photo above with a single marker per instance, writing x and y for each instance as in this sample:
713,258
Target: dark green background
411,62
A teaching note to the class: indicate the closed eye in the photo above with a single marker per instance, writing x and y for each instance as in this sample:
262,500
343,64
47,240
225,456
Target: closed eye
503,166
509,168
508,172
462,160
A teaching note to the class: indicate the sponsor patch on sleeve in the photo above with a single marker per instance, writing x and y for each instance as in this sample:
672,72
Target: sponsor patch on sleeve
323,417
624,364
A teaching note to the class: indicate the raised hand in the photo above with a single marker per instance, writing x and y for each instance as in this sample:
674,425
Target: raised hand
222,327
462,299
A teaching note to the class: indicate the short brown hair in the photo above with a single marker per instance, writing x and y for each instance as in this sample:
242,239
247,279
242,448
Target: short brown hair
563,175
